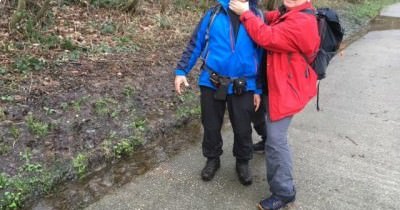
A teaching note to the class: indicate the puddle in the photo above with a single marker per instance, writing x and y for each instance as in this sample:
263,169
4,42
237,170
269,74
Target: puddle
84,192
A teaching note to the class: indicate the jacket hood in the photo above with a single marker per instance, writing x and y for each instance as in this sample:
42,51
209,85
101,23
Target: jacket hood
225,3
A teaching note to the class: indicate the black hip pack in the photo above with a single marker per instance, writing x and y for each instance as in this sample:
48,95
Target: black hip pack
222,84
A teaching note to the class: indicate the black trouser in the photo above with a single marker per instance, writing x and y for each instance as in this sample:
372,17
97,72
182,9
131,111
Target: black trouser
241,110
258,119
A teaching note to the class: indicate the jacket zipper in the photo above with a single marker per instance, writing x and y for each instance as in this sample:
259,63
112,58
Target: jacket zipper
231,35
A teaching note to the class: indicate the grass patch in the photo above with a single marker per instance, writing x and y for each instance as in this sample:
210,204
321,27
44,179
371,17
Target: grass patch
126,146
104,107
68,44
11,200
29,166
3,181
32,178
108,28
2,114
37,127
80,164
7,98
15,132
128,91
4,149
369,8
3,70
25,64
76,104
190,105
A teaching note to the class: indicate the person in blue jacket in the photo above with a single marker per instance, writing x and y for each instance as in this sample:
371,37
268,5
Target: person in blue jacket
227,79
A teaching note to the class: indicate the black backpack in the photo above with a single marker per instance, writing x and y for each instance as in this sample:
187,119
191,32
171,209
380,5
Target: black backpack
331,34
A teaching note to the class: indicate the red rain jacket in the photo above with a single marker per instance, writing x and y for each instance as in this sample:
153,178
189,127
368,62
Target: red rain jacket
292,82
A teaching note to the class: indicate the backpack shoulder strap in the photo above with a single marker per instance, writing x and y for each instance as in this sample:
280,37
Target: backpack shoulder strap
308,11
214,12
260,14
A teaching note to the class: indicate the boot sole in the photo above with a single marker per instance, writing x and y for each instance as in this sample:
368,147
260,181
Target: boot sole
246,183
206,179
286,206
243,182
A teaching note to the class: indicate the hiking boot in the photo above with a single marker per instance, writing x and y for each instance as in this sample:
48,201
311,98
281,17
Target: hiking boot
211,167
274,203
243,172
259,146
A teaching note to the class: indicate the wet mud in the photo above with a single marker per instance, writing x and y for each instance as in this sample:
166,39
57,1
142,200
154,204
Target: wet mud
81,193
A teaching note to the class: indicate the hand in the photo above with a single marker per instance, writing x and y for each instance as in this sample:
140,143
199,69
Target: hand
257,102
239,6
179,80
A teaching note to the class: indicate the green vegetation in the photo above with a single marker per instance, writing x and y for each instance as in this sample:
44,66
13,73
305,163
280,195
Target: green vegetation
2,114
4,148
369,8
15,132
7,98
31,177
122,147
26,64
183,4
108,28
125,147
139,125
11,200
3,181
29,166
190,105
49,111
37,127
76,104
165,22
68,44
80,164
3,70
105,106
67,56
128,91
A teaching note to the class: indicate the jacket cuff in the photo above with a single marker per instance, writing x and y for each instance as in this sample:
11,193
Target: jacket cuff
246,15
180,72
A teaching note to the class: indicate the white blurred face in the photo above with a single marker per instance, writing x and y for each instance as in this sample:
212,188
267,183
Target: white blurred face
293,3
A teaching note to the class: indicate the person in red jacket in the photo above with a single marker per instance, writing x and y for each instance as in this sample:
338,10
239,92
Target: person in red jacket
290,36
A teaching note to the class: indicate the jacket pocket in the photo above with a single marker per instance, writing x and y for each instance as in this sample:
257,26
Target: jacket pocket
293,90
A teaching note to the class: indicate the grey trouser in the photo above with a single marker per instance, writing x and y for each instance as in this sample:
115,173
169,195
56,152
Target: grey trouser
278,158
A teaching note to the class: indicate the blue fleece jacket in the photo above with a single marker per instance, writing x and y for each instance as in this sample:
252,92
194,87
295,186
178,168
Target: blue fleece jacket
227,56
